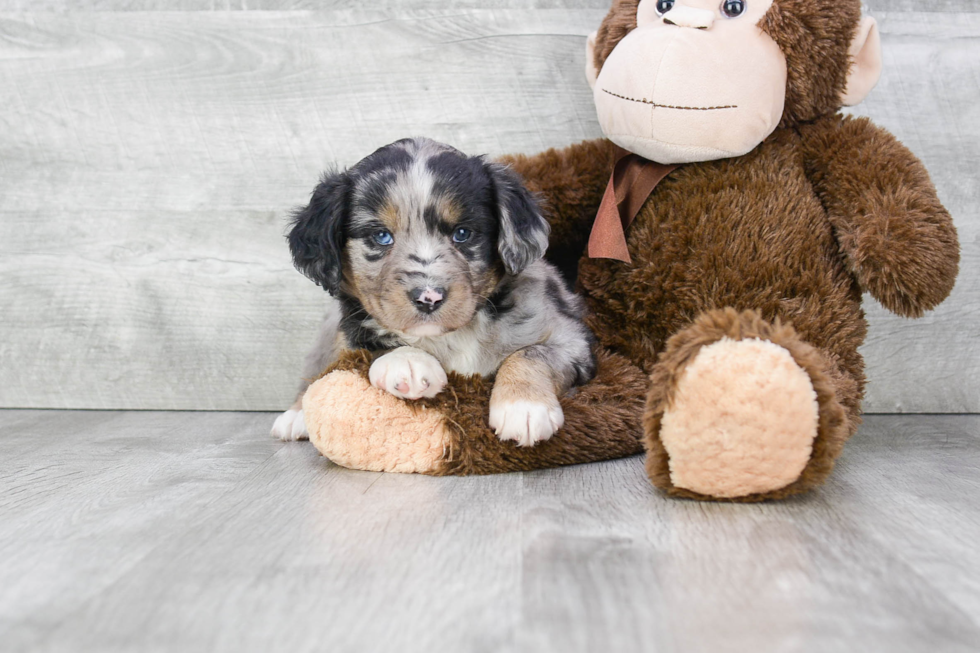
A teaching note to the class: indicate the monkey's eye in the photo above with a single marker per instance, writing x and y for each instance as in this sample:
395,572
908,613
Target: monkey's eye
733,8
663,6
461,235
383,237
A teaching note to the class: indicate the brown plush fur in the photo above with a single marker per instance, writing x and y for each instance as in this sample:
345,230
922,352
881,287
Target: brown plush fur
814,36
835,425
789,235
900,241
620,21
777,244
793,231
595,427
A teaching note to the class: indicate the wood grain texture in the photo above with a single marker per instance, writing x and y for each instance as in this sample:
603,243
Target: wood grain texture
929,97
195,531
148,161
87,496
290,5
300,5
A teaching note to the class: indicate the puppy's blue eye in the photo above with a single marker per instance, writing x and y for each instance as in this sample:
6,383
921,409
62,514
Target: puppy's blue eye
461,235
383,237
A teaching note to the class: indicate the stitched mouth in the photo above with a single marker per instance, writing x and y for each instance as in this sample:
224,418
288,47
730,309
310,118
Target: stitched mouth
668,106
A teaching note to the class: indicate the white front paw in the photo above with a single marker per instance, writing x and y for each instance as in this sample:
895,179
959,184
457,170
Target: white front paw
408,373
290,426
526,422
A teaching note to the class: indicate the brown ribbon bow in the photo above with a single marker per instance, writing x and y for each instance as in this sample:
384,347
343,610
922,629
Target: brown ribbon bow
632,180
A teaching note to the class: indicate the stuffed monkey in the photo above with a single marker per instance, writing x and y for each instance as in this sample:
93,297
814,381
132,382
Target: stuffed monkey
725,289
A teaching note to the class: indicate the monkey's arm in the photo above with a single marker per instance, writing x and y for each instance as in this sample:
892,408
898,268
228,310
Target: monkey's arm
899,240
571,181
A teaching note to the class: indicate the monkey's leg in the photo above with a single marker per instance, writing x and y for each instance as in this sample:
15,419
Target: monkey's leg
358,426
740,409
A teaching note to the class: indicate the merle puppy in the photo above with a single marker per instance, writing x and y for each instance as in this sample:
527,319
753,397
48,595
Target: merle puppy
436,260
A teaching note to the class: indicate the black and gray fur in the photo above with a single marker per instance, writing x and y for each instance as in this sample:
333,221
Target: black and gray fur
498,295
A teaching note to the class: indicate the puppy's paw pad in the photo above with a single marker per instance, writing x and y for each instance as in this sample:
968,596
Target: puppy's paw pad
290,426
525,422
408,374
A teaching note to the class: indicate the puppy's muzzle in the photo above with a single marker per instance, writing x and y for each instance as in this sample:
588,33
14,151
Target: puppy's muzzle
428,299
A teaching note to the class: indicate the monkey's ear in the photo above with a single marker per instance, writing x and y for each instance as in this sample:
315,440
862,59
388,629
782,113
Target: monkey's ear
865,56
523,236
590,70
317,234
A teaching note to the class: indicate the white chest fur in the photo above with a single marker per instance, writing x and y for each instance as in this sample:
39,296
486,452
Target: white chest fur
474,349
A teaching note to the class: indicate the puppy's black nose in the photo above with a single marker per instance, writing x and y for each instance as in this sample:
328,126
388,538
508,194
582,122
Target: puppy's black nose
427,299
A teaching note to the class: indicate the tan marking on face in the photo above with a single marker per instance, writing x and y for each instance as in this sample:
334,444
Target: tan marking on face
348,279
390,217
383,286
448,210
486,282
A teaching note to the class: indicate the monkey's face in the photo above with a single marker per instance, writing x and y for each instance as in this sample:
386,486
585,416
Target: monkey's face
696,80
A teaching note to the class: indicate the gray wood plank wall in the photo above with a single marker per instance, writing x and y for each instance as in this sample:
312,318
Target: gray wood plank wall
148,161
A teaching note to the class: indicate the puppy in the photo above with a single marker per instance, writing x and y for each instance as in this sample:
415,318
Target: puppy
436,260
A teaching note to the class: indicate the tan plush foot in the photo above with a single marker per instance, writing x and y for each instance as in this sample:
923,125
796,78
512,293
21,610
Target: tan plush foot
359,426
742,420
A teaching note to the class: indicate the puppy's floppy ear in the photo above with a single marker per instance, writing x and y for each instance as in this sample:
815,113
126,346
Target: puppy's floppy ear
317,234
523,229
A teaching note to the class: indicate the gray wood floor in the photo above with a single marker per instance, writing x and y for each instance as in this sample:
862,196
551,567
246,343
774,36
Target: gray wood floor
125,531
